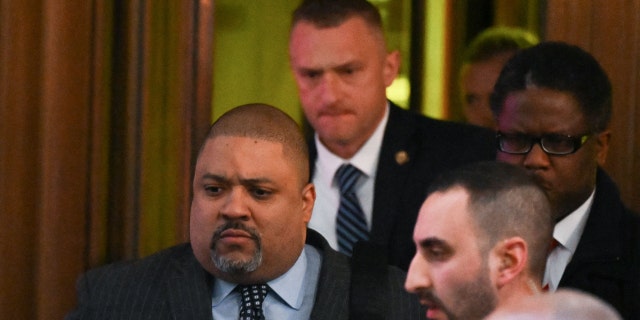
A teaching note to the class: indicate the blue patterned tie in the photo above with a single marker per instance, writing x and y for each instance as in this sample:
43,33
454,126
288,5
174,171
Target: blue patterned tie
351,225
252,298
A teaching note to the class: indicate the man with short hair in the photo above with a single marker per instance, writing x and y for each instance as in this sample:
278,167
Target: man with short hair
553,106
251,255
342,68
482,62
482,237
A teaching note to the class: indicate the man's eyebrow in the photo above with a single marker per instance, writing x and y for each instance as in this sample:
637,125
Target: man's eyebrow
215,177
344,65
243,181
254,181
309,69
432,242
350,64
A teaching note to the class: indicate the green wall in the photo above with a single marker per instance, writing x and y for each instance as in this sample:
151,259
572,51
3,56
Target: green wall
251,61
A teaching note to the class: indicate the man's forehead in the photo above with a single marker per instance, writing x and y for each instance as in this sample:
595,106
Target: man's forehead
541,100
541,112
226,145
443,212
328,47
240,138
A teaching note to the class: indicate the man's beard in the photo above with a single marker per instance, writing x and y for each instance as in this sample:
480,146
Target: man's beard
477,299
231,266
473,300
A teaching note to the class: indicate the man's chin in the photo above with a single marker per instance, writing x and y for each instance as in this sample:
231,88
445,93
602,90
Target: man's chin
234,255
236,261
435,313
434,309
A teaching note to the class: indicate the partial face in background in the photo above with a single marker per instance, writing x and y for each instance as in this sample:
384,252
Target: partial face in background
449,272
476,84
342,74
250,209
569,179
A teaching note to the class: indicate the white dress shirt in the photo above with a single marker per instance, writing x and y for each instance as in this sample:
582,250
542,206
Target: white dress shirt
325,209
567,232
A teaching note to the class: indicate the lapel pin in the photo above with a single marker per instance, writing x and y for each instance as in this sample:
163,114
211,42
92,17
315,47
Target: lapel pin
402,157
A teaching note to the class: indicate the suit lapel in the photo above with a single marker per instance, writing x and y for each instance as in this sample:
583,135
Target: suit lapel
599,251
188,289
333,284
394,166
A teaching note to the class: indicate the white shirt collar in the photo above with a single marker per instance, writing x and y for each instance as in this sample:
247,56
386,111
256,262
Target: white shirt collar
366,159
568,231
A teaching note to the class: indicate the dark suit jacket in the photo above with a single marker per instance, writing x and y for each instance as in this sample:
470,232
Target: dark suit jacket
607,260
171,284
432,147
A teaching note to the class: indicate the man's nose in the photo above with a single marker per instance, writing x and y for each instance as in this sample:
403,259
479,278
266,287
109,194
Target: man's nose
330,88
418,276
536,158
235,205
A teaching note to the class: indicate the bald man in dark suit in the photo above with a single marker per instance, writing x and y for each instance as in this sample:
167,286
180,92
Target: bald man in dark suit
249,213
342,67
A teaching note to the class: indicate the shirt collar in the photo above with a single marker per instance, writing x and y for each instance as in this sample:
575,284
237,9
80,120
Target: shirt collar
366,159
289,286
569,230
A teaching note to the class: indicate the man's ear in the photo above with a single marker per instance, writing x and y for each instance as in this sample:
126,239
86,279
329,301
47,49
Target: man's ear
602,146
391,67
308,199
511,256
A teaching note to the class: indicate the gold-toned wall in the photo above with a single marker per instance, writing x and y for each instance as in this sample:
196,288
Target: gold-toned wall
251,59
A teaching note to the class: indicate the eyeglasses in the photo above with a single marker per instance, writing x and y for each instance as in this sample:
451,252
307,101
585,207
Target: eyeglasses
552,144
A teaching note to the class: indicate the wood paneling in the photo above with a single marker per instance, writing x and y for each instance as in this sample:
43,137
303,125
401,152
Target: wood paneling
103,106
64,144
610,30
20,192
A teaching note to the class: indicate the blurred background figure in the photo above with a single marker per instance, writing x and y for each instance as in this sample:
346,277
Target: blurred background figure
564,304
481,65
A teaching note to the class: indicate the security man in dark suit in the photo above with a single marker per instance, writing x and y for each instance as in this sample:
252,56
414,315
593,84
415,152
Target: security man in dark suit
342,68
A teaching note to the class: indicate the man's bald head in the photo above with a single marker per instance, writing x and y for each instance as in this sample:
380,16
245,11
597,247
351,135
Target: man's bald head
265,122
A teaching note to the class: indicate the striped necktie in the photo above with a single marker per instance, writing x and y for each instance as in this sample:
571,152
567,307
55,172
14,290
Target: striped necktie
351,225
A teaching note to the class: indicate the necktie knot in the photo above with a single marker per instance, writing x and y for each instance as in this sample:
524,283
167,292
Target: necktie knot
347,176
554,244
251,303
